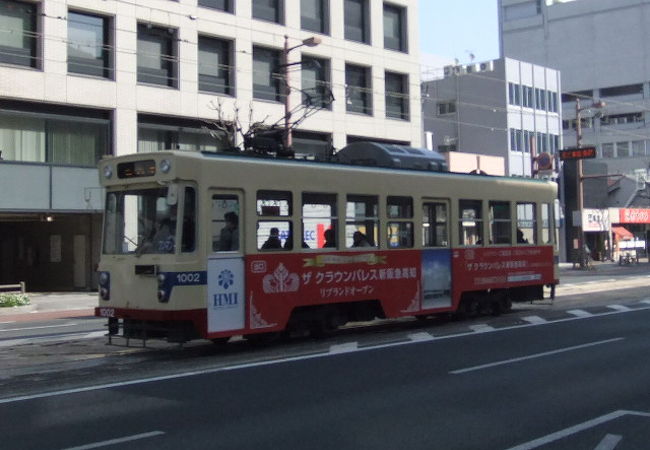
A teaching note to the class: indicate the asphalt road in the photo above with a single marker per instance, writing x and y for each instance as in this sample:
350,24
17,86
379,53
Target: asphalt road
579,383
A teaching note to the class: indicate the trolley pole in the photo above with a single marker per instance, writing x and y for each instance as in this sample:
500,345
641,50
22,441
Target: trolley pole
579,191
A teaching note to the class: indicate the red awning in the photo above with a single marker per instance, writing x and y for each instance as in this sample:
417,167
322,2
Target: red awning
622,233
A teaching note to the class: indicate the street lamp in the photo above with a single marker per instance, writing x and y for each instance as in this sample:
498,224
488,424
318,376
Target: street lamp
312,41
579,177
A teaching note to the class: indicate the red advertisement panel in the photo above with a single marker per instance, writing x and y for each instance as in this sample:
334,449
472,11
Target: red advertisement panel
275,284
486,268
634,215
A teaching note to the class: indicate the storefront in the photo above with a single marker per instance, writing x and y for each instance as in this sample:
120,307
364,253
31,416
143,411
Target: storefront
630,231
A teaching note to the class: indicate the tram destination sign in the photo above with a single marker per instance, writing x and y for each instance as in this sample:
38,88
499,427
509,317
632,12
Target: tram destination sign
578,153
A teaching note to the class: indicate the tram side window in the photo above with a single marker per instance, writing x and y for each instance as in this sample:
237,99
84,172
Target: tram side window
361,221
225,223
274,235
500,223
400,231
526,223
319,220
273,203
470,223
434,225
188,239
547,224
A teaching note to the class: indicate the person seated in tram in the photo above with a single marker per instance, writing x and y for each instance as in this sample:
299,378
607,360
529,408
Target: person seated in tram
162,240
273,241
360,240
229,234
330,238
520,237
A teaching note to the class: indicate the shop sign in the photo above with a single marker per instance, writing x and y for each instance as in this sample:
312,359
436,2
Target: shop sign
595,220
634,215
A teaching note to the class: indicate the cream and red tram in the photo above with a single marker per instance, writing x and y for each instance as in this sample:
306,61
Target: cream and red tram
208,245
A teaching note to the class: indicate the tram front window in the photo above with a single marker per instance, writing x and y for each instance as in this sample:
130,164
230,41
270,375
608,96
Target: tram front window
140,221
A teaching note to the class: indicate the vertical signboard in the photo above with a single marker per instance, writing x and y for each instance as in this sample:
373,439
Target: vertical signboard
225,302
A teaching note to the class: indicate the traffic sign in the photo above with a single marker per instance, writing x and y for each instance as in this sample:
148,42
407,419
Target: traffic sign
578,153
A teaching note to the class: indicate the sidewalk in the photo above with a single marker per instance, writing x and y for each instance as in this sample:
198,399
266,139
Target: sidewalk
51,305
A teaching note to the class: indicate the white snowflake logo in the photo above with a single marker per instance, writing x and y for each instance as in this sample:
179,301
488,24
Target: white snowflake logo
226,279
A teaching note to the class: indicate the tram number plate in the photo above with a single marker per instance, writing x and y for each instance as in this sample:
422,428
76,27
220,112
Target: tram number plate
107,312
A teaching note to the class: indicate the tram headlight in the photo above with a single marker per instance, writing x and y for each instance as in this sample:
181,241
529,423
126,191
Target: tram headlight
161,279
108,171
162,296
165,166
105,285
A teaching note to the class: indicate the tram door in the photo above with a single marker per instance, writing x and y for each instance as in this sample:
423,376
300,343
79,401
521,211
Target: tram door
226,299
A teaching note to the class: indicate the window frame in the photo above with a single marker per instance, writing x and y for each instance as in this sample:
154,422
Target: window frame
396,43
359,96
273,90
357,30
398,100
106,69
495,223
477,206
317,25
28,55
168,38
264,10
430,229
223,47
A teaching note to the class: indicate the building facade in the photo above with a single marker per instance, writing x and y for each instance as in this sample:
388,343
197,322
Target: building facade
80,79
505,108
602,48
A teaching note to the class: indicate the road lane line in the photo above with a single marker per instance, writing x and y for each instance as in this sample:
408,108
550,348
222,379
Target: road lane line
134,437
39,328
4,323
545,440
421,337
344,348
579,313
535,320
285,360
646,301
481,328
619,307
609,442
534,356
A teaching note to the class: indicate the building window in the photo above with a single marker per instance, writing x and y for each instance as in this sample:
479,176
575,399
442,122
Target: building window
267,82
397,96
527,98
514,94
270,10
638,148
318,145
446,108
357,27
540,99
619,119
359,89
157,62
315,87
314,15
552,101
89,49
607,150
395,28
157,133
215,69
223,5
78,137
617,91
18,39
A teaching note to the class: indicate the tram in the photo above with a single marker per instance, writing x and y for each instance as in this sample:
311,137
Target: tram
215,245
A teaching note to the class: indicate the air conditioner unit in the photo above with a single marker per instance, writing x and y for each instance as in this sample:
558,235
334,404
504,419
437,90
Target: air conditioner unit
471,68
448,70
487,66
641,178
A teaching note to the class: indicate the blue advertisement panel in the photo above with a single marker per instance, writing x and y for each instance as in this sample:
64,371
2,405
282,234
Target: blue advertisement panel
436,278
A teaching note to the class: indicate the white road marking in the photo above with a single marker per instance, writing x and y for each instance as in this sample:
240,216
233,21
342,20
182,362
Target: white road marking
4,323
421,337
285,360
535,320
646,301
95,334
481,328
344,348
577,429
609,442
40,328
619,307
534,356
579,313
134,437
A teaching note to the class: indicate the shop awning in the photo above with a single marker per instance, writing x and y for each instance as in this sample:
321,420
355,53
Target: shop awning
622,233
